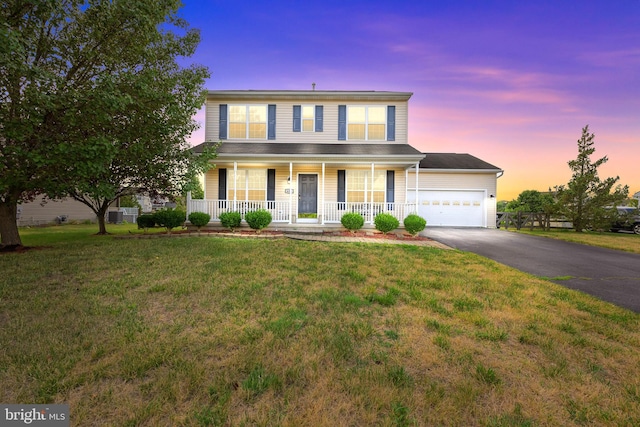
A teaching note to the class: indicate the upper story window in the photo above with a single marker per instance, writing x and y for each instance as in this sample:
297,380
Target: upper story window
366,122
247,121
308,118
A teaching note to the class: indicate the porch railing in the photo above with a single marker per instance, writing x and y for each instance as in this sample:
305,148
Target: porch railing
279,210
332,211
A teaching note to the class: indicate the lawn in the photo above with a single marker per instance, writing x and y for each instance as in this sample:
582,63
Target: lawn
210,331
628,242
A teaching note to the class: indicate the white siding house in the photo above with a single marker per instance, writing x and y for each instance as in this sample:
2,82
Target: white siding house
310,156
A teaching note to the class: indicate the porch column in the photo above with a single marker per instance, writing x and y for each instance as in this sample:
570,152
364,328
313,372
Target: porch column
371,198
188,203
290,193
235,190
322,197
417,169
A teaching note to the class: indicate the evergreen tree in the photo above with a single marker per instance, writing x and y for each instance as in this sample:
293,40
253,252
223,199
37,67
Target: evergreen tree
585,199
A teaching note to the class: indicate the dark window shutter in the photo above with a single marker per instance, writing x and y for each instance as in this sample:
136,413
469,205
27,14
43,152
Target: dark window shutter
391,123
319,117
271,184
390,189
222,187
271,122
222,132
297,118
342,185
342,122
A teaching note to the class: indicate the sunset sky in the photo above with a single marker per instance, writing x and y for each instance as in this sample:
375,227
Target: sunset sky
510,82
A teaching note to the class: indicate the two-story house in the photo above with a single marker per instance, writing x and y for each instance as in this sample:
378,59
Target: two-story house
310,156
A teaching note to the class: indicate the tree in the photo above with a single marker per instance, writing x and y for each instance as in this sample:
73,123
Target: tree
77,82
531,201
584,200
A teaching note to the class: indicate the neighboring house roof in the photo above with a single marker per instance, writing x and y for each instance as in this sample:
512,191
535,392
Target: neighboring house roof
254,150
457,162
273,95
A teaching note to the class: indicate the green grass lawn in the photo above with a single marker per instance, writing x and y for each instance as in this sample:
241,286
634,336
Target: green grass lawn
628,242
210,331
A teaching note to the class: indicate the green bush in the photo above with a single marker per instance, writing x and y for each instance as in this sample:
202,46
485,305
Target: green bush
199,219
231,220
385,222
146,221
414,224
352,221
258,219
170,218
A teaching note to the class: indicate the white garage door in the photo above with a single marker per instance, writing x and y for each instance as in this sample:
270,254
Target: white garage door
452,208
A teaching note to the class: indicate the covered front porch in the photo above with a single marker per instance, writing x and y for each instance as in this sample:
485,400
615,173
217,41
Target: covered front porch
308,193
285,212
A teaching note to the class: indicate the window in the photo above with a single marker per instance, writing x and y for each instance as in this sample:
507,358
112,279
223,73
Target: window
367,122
248,121
359,185
249,184
308,118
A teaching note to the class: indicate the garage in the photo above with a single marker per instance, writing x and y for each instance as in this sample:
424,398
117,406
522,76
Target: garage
455,190
452,208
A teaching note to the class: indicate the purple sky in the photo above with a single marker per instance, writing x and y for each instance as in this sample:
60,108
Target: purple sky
510,82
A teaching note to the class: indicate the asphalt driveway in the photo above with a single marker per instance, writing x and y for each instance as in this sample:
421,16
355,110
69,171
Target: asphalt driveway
610,275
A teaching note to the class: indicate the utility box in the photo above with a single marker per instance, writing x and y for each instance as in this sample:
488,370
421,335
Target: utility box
114,217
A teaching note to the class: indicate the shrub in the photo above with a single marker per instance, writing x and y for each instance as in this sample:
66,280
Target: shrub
352,221
230,220
199,219
385,222
170,218
258,219
414,224
146,221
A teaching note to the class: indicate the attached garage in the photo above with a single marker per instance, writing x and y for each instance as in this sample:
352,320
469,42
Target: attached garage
455,190
452,208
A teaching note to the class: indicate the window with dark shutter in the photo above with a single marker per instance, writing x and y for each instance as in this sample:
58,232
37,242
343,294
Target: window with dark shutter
342,122
222,188
319,117
391,123
342,194
271,121
222,132
390,189
297,118
271,184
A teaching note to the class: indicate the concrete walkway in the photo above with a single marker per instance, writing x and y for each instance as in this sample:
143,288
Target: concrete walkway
358,239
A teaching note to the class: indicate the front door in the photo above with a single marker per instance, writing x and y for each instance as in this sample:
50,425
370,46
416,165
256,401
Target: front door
307,194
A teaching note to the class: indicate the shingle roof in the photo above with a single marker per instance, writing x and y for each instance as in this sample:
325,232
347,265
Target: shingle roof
260,149
455,161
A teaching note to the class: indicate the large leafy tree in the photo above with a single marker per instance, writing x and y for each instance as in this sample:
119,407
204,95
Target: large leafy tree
585,199
531,201
92,101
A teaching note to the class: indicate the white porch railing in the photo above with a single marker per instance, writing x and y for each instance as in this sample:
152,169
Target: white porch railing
332,211
279,210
